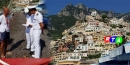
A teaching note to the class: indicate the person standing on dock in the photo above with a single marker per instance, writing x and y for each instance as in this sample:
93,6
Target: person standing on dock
4,31
29,31
37,25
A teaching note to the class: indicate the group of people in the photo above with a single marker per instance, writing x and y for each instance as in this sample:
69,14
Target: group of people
34,29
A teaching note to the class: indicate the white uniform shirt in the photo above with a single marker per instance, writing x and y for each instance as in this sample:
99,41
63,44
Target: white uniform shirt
29,22
3,23
38,18
29,19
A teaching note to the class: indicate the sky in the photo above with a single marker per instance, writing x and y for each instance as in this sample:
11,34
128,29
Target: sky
118,6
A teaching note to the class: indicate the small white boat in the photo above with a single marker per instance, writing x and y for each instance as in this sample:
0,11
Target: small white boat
41,2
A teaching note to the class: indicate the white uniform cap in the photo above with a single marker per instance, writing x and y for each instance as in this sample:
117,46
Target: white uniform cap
26,10
30,7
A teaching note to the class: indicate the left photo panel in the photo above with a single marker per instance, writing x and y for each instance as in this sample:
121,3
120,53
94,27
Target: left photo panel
23,33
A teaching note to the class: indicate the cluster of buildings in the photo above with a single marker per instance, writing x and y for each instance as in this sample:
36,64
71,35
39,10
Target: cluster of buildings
87,38
22,3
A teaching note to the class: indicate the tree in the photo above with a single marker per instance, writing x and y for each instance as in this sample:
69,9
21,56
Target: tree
128,33
120,26
4,3
70,33
85,20
75,35
94,56
104,17
70,50
85,42
35,0
124,39
13,5
113,26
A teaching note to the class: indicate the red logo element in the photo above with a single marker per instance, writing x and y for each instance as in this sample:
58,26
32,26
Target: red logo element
25,61
107,39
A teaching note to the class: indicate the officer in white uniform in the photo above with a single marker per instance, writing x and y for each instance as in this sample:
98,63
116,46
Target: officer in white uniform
37,25
29,31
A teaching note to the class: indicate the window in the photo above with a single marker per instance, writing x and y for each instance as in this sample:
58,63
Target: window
74,57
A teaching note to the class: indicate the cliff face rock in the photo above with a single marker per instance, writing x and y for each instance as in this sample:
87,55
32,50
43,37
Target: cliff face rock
81,6
110,14
65,11
79,11
18,39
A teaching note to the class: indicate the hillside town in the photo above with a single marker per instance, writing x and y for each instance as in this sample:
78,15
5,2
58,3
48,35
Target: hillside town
19,5
83,43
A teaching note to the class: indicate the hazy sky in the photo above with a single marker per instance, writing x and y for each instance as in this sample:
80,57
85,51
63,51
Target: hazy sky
119,6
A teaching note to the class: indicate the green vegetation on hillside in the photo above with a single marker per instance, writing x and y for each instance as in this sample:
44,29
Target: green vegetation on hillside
104,18
35,0
4,3
113,25
72,10
94,56
60,23
85,42
128,33
120,26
